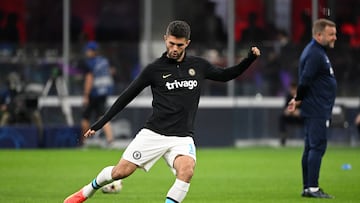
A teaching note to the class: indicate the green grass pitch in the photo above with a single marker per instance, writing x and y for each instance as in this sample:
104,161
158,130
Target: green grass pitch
254,174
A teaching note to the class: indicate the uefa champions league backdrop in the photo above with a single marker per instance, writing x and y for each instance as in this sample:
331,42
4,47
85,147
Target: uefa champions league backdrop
220,122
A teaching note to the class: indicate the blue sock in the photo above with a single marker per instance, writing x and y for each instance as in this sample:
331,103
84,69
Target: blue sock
169,200
95,185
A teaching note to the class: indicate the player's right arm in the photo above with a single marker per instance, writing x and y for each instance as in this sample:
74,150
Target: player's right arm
121,102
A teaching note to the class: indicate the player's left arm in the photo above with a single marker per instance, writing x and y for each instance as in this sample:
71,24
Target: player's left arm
229,73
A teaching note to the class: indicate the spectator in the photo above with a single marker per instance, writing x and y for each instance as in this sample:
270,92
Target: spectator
76,29
216,35
355,40
253,33
1,28
11,32
307,24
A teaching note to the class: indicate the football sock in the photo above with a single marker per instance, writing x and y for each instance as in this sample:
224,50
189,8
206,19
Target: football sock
177,192
103,178
168,200
313,189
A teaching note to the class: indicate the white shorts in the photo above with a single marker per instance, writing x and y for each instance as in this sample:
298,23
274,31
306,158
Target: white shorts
148,146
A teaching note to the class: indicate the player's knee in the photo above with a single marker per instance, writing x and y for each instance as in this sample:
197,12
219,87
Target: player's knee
185,173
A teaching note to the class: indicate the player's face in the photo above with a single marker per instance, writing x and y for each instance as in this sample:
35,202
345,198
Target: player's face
175,47
327,38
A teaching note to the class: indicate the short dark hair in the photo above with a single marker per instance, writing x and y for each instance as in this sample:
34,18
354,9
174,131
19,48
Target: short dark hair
179,29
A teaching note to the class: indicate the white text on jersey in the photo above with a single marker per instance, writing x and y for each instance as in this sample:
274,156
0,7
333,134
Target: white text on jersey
190,84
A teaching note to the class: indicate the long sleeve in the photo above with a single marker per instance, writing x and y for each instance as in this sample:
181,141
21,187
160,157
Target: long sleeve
308,72
122,101
229,73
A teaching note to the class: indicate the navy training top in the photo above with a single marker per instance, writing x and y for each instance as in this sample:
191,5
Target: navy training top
317,83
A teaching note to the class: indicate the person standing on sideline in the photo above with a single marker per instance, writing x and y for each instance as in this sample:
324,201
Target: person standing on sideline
98,85
175,80
316,94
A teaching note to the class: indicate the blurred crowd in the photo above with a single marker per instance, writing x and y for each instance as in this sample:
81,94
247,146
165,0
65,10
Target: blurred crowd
39,49
31,45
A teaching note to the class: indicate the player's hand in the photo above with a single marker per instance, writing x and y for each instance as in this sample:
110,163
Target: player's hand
255,51
89,133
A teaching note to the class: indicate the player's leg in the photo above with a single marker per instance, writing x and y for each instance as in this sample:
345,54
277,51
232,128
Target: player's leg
318,143
304,161
122,170
182,159
142,152
184,166
317,136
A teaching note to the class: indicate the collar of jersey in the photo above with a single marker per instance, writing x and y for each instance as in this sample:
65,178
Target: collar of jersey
318,45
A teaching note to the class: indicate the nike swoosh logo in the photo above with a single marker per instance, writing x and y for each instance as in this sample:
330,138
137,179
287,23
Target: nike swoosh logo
166,76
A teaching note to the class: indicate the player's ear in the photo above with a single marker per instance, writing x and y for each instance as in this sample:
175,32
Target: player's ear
165,37
318,35
188,42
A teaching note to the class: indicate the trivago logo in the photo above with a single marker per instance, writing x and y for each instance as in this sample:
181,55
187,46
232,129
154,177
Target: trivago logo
190,84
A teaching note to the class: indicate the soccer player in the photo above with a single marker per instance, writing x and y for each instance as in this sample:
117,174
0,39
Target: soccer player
316,93
175,80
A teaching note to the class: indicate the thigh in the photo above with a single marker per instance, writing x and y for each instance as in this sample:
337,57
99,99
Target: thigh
146,148
317,132
183,151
